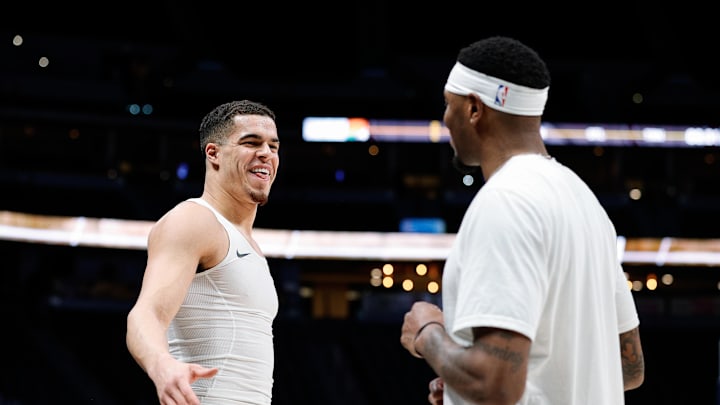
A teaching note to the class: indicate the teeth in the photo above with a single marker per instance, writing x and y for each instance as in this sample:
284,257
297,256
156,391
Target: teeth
263,171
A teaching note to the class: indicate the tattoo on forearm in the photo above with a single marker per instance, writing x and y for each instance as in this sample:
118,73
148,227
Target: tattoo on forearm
515,358
632,358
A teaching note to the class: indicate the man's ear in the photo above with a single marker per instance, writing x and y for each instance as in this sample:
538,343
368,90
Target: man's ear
476,107
211,151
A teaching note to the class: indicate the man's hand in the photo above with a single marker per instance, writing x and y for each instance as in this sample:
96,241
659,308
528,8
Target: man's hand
172,380
422,314
437,388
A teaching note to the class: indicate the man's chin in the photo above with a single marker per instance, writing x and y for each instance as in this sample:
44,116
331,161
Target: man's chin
462,167
260,198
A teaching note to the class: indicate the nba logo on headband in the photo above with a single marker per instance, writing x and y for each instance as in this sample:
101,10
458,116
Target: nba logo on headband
501,95
494,92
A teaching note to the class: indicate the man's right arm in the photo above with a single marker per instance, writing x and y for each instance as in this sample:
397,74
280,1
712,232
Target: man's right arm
173,255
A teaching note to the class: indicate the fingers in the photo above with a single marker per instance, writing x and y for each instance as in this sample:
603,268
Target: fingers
196,372
178,390
182,394
437,388
188,396
407,338
201,372
425,306
420,314
437,385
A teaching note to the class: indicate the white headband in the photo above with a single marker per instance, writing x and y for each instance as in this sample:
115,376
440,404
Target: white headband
497,94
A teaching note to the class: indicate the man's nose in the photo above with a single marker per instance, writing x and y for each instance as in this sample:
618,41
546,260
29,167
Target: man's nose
264,149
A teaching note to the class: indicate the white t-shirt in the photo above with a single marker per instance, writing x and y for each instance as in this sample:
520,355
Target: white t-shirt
537,254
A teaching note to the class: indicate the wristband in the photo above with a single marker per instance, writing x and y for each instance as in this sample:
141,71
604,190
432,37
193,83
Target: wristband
420,331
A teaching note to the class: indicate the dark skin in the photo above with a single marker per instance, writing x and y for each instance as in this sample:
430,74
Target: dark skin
494,352
633,361
493,370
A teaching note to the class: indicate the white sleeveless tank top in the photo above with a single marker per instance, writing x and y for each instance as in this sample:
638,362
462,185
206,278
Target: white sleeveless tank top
226,322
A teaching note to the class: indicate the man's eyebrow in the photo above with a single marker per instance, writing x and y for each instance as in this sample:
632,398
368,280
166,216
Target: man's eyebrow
256,136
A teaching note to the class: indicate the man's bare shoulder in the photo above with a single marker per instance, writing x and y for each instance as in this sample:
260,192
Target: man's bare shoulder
187,219
187,211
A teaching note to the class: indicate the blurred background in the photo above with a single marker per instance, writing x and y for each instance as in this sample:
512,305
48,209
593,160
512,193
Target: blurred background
99,108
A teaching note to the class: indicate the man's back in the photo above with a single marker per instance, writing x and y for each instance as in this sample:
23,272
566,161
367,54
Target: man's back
545,265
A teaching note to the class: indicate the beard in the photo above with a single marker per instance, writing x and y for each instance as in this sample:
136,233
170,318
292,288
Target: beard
259,197
462,167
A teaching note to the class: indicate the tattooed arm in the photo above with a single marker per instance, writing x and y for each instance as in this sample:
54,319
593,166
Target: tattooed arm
491,371
633,361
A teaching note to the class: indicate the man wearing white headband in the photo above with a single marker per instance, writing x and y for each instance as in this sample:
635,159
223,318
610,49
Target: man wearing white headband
535,304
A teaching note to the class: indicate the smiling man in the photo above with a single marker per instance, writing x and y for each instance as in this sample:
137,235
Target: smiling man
202,324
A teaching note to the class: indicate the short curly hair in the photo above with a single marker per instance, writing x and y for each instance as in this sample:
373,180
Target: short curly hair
507,59
218,123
